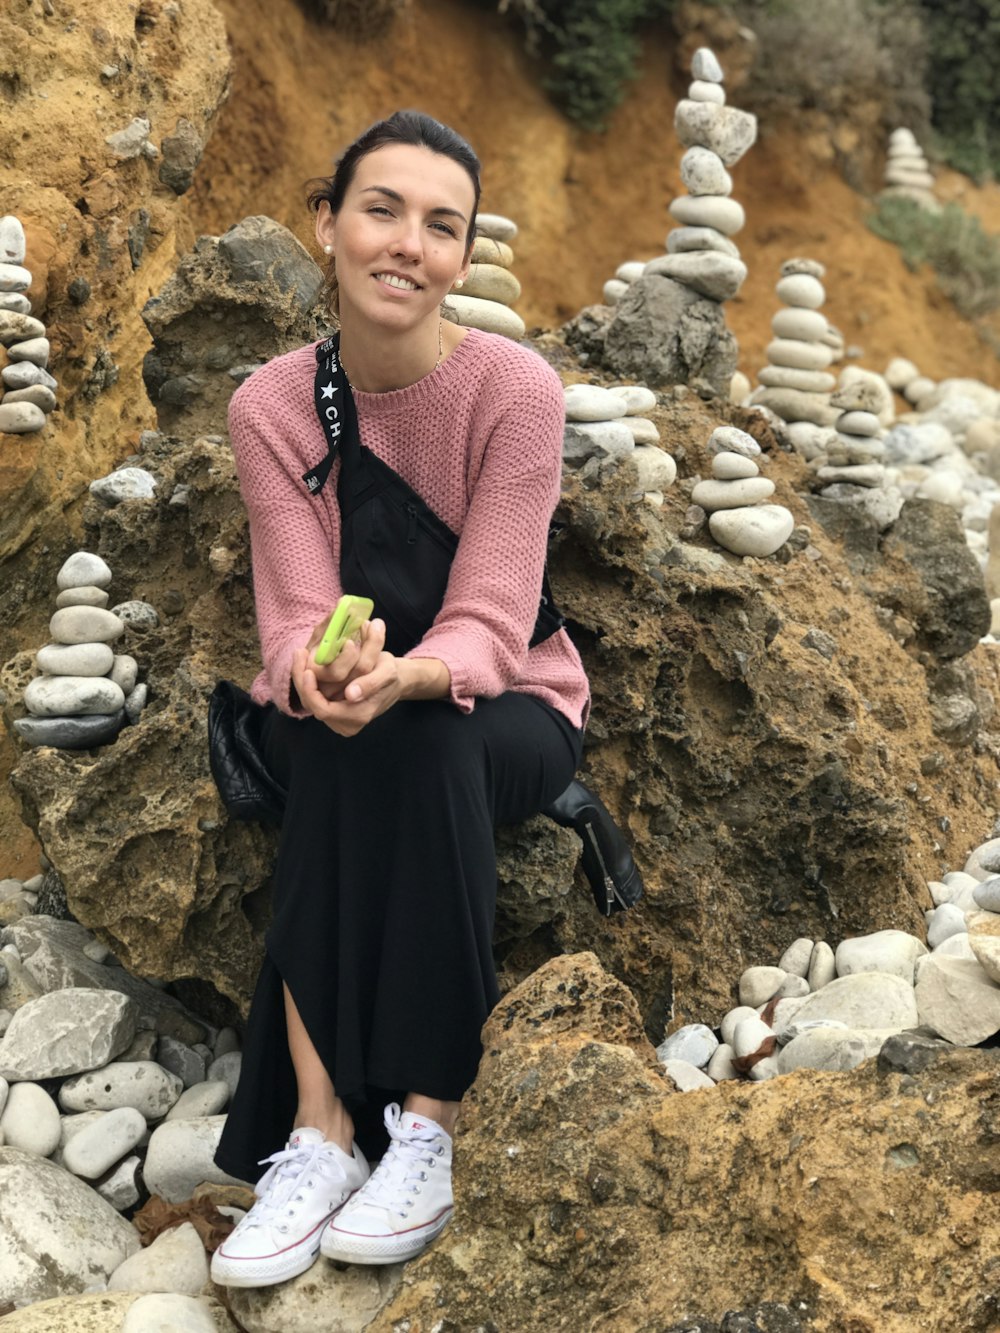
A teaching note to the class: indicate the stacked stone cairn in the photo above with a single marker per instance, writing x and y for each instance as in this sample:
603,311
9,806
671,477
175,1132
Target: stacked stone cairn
605,425
887,994
85,692
732,497
490,290
904,377
700,253
907,173
796,383
28,388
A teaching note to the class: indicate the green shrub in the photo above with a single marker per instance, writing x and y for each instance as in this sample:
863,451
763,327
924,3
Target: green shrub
364,19
965,52
965,258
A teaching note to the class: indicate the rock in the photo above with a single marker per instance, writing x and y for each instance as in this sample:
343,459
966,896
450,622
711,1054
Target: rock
35,350
801,289
643,431
700,90
753,1037
170,1313
174,1262
685,1077
702,172
705,65
655,469
796,957
733,467
910,1052
866,1000
203,1099
20,418
25,375
15,301
14,278
99,1145
957,1000
917,442
716,276
794,405
595,439
694,1043
141,1084
732,1020
665,333
30,1120
70,733
12,240
81,659
66,1032
762,1070
630,270
136,702
984,940
730,439
491,282
83,569
181,152
900,372
485,250
85,624
859,423
919,389
791,377
944,921
181,1060
179,1158
496,227
984,861
138,614
17,328
71,696
356,1293
798,355
792,988
987,895
37,394
227,1068
799,323
124,672
588,402
890,951
82,597
120,1185
132,141
96,1312
614,289
723,129
126,483
759,531
717,211
56,1234
835,1049
684,240
638,399
472,312
739,387
712,495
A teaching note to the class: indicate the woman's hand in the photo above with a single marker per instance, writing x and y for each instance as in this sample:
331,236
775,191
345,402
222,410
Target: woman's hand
362,682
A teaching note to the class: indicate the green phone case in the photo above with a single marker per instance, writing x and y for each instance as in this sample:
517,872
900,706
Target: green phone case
349,615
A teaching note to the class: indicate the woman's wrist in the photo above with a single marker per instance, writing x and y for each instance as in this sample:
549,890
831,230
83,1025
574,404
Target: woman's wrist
424,678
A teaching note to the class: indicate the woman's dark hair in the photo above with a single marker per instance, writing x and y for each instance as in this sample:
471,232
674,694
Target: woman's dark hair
406,127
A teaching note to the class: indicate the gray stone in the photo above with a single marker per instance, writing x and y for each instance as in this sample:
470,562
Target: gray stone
82,597
801,289
228,1039
12,240
694,1043
759,984
917,442
643,430
866,1000
724,129
42,398
57,1235
728,466
85,624
14,278
811,266
78,659
135,702
685,1076
70,733
702,172
795,354
891,951
984,941
709,210
84,569
655,469
859,423
20,418
793,987
713,495
588,402
35,350
204,1099
227,1068
987,895
100,1145
799,323
716,276
141,1084
125,672
834,1049
957,1000
181,1060
132,141
984,860
30,1120
71,696
259,251
595,439
24,374
910,1052
164,1312
181,152
126,483
120,1186
141,615
174,1262
66,1032
15,301
705,65
794,405
684,240
730,439
665,333
758,531
943,922
180,1157
15,328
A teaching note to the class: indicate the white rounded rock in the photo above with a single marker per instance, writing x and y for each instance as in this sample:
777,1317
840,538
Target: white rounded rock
759,984
796,957
984,941
739,387
859,423
891,951
727,466
733,440
84,569
471,312
798,355
203,1099
655,468
82,597
76,659
684,240
957,1000
705,65
99,1145
753,1035
713,495
169,1312
613,291
124,672
20,418
175,1262
984,861
589,402
181,1155
630,271
900,372
694,1043
72,696
834,1049
30,1120
700,90
12,240
496,227
799,323
731,1021
986,895
865,1000
703,172
758,531
14,278
709,210
637,398
801,289
141,1084
822,966
685,1077
721,1066
790,377
85,624
35,350
944,921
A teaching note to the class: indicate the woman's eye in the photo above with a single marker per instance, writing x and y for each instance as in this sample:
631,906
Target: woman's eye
450,231
380,208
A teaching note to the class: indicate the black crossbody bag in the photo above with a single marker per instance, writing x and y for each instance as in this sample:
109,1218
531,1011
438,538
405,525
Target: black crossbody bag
396,550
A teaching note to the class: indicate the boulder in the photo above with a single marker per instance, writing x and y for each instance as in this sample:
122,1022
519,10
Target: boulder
663,332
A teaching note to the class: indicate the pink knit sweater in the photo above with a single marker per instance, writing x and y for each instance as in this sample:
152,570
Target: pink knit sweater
480,439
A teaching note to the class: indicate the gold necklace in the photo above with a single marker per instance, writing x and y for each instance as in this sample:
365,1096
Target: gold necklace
440,358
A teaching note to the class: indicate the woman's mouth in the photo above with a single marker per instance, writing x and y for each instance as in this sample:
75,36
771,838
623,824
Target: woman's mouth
393,280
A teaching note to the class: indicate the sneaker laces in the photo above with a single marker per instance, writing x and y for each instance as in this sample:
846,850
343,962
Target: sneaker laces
275,1188
401,1170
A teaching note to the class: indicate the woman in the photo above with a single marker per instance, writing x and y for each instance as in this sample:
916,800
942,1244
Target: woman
378,972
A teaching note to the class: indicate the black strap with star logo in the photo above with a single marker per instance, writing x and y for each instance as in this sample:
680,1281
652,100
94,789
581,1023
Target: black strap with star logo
335,409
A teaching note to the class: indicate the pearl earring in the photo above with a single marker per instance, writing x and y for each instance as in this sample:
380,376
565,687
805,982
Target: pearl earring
328,249
459,282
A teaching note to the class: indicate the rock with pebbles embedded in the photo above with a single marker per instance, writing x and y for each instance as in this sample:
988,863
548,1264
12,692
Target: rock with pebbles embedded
67,1032
141,1084
725,130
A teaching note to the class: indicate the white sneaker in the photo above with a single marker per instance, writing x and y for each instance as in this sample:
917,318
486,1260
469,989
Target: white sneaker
308,1181
406,1202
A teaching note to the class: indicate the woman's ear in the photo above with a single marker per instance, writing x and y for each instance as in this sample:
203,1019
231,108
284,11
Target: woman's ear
326,226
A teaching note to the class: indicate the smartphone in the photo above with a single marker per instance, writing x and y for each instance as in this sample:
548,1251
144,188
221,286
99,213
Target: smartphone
349,615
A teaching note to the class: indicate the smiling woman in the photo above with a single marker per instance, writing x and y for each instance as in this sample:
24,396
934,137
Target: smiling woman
460,708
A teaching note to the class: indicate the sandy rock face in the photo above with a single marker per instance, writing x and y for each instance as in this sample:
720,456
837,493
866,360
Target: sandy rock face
586,1194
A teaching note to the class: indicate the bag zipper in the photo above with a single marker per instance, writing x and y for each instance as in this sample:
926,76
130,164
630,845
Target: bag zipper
410,510
610,888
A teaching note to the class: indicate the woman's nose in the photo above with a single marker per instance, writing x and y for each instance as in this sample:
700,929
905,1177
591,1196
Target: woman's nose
407,240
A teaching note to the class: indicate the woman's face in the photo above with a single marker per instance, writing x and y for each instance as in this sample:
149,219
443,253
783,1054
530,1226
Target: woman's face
399,239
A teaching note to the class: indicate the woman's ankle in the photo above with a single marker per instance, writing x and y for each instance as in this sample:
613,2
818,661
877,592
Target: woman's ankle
333,1122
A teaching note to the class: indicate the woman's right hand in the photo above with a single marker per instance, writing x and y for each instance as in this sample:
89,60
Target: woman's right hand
318,685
